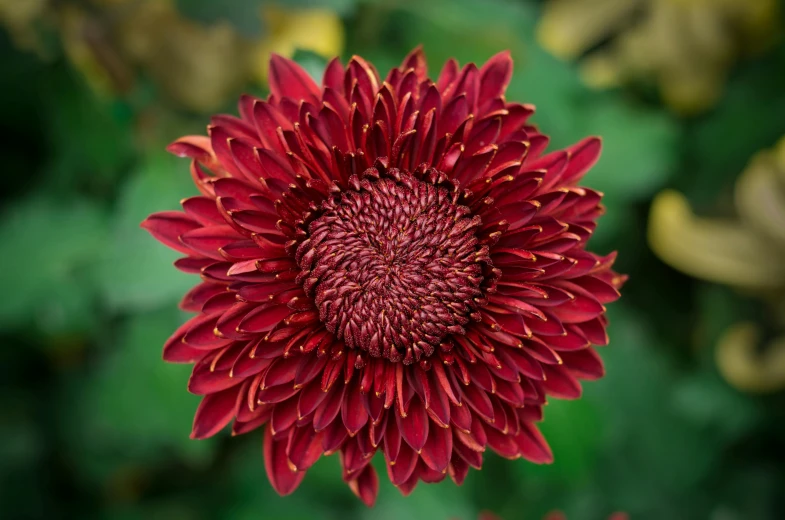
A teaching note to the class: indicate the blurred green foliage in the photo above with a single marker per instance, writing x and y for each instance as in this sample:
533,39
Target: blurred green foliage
95,425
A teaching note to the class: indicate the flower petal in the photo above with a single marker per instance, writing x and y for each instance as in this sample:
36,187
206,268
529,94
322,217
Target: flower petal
214,412
366,485
282,477
288,79
414,426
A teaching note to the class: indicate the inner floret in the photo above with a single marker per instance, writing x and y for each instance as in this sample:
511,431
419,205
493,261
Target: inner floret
394,266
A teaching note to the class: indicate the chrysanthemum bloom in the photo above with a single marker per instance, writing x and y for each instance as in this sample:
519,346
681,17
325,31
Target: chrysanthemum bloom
387,264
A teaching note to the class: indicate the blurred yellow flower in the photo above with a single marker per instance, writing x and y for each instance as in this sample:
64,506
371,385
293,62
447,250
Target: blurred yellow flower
747,253
198,66
316,30
19,17
685,46
86,43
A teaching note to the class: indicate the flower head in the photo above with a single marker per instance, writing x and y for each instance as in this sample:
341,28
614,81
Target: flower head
387,264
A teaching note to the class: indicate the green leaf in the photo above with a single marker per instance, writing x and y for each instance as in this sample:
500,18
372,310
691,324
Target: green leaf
134,271
244,15
651,452
164,508
639,148
90,137
717,308
747,119
21,442
46,245
341,7
436,501
133,409
249,492
442,32
708,402
574,455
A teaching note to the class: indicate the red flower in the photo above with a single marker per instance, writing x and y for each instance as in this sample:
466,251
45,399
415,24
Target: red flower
387,264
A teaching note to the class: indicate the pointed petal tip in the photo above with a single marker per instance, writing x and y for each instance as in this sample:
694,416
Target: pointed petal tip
283,480
214,413
174,149
366,486
194,146
594,140
288,79
504,55
417,51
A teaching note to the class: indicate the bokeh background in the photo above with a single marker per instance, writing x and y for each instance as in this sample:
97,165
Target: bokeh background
689,96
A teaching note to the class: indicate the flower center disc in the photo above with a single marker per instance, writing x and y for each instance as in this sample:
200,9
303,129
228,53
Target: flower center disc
393,266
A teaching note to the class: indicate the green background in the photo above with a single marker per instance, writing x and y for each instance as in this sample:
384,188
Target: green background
94,425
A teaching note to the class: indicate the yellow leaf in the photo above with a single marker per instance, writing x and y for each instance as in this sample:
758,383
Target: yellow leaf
199,66
721,251
569,27
685,47
760,198
740,363
19,17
